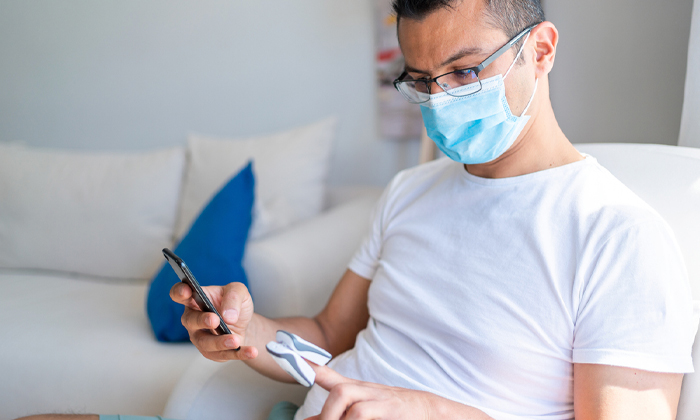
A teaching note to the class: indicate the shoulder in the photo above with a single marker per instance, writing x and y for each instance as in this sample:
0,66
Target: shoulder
624,242
603,203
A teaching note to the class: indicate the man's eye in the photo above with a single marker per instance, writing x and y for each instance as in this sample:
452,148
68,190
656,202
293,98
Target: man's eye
463,77
466,73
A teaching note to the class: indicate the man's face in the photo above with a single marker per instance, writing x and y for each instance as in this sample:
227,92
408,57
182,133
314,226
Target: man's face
451,39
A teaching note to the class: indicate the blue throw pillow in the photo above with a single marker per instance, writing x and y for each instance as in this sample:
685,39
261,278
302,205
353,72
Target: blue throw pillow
212,249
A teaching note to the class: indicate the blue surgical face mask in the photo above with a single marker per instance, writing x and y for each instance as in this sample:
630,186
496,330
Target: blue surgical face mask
477,128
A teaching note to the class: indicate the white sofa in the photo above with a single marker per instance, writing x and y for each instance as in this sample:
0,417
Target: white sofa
78,344
81,343
667,177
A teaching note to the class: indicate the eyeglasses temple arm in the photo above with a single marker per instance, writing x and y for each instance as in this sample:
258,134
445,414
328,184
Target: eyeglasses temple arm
503,49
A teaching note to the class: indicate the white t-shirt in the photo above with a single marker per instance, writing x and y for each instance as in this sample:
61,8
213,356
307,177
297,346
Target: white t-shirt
487,291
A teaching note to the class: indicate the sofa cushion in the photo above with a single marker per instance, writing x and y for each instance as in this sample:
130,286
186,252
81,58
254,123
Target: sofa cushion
290,173
83,346
212,249
102,214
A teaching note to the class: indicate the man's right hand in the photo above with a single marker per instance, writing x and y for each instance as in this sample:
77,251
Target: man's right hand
234,303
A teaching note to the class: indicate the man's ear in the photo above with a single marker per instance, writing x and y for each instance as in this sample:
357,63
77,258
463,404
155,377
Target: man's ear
546,38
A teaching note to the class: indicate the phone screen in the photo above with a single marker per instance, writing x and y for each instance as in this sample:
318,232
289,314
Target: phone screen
185,275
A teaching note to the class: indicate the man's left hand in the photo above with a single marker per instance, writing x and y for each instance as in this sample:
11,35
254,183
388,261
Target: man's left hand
350,399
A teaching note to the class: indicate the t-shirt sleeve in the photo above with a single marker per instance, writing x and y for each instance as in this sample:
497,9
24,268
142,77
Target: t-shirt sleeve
636,308
366,259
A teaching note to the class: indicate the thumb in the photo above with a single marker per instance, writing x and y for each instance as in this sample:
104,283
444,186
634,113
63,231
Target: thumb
327,378
232,298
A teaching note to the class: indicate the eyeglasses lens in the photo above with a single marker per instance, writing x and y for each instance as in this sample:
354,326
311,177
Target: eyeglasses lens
456,80
417,91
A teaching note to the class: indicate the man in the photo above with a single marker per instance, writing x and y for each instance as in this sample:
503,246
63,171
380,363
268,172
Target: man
517,279
521,281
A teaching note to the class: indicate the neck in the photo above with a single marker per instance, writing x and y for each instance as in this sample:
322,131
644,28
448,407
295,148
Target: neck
542,145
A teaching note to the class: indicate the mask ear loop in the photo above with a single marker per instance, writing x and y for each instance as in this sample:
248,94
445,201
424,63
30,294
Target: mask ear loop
531,98
520,51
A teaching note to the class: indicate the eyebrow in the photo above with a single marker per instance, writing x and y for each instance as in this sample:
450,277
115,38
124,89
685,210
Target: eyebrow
454,57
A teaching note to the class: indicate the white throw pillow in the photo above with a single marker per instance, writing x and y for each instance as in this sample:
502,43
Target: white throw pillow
290,173
102,214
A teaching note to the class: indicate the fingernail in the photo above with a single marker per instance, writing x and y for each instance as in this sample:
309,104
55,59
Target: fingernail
231,315
229,343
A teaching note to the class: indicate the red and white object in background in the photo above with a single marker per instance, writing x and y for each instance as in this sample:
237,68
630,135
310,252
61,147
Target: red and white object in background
398,119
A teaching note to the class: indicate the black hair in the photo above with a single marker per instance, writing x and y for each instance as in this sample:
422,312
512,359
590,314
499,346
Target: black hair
512,16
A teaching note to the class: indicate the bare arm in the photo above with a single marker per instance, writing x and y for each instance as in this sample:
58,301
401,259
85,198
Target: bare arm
604,392
334,329
600,393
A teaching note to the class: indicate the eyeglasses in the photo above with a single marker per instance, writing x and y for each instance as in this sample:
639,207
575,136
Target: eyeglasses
462,82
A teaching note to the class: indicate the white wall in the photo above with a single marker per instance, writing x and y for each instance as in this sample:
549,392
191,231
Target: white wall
690,123
134,74
141,74
620,68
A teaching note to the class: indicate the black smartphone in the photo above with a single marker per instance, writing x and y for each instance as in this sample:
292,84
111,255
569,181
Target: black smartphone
186,276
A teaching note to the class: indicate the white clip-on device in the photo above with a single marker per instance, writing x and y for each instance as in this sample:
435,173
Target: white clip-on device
290,350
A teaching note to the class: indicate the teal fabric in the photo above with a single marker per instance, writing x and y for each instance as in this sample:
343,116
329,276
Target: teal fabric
282,411
118,417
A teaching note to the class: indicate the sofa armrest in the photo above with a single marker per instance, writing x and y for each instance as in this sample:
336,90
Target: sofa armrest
295,271
232,390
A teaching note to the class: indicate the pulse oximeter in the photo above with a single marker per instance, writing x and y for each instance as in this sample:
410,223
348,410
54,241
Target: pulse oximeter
290,350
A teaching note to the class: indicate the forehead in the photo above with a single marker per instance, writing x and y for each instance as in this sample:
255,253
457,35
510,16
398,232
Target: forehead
428,42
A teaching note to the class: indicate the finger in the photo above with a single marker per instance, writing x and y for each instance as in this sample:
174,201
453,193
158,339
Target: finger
361,410
205,341
181,293
194,320
341,398
367,410
231,301
222,347
246,353
327,378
